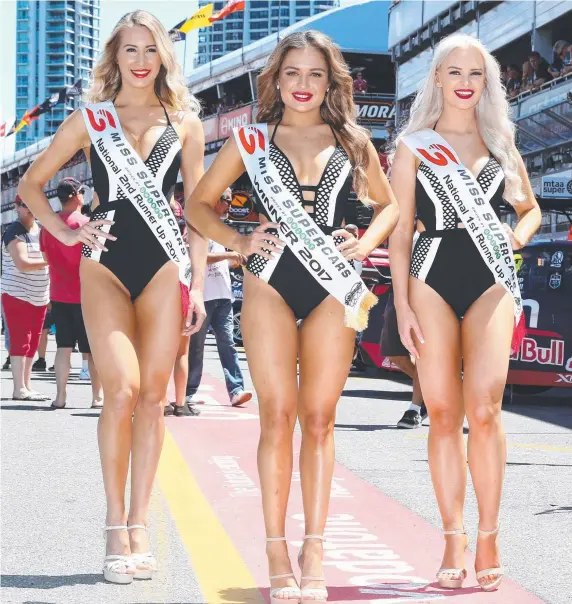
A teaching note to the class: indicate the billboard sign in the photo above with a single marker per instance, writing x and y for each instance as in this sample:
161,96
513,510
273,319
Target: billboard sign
233,119
374,110
210,126
557,185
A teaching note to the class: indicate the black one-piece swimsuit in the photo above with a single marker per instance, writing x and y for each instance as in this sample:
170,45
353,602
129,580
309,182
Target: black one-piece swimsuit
444,255
136,256
287,274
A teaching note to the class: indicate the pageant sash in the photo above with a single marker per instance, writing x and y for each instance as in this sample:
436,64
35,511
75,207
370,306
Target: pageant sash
138,184
473,208
315,250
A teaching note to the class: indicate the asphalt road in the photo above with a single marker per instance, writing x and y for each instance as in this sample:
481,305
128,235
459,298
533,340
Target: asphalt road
53,504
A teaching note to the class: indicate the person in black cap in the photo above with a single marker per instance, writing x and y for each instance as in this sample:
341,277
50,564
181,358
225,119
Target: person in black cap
65,293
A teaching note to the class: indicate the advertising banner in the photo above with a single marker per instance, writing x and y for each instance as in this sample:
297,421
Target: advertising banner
374,110
545,278
557,185
210,126
233,119
242,207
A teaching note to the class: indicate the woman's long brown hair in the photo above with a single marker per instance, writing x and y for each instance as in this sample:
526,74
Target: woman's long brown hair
338,108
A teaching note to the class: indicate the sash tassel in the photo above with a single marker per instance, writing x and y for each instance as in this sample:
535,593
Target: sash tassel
316,250
359,320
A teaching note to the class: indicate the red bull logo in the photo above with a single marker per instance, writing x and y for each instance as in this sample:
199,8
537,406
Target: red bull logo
531,352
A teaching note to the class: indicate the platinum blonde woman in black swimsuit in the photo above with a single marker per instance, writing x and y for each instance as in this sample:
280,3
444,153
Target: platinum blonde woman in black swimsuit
457,296
317,151
132,297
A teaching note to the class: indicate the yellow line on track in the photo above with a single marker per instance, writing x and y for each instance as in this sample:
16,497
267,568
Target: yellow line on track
519,445
221,571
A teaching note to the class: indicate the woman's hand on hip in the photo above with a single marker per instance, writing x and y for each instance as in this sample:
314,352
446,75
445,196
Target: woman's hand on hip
351,248
514,242
88,235
261,242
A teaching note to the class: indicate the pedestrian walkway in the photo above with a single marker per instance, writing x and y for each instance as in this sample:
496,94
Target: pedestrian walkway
205,522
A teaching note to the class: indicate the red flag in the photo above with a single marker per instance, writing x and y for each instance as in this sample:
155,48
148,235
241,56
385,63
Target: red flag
7,127
232,6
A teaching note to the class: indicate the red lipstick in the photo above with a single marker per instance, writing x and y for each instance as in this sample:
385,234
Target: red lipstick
302,97
141,73
464,93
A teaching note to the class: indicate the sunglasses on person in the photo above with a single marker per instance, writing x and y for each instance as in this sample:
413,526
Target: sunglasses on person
20,204
226,200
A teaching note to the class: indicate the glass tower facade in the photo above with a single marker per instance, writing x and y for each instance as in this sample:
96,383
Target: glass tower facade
57,43
260,18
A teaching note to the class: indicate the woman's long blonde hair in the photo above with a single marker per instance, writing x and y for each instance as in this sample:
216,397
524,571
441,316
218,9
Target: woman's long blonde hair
338,108
170,85
493,111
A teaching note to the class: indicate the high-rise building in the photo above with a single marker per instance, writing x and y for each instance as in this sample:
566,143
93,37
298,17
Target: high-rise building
56,45
259,18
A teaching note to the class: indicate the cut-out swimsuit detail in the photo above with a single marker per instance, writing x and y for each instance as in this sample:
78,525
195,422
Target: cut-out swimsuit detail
286,274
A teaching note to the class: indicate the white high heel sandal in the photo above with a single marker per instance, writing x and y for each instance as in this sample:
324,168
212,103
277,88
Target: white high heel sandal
147,559
312,594
497,572
116,568
460,574
283,595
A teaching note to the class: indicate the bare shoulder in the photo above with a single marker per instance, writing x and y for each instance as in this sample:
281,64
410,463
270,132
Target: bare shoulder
405,157
186,119
73,130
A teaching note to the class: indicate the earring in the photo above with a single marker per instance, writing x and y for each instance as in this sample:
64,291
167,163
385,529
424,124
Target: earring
277,86
327,90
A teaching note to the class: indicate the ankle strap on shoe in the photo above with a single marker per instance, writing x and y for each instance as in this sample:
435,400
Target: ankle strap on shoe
493,532
320,537
455,532
116,527
274,539
284,576
112,527
136,526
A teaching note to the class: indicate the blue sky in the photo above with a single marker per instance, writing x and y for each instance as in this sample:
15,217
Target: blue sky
170,12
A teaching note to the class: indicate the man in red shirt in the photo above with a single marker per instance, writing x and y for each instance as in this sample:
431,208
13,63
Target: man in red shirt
65,294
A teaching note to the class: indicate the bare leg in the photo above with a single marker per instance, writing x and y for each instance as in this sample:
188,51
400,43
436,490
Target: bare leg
17,368
439,368
487,333
96,387
28,362
326,350
271,340
181,370
405,364
158,336
43,346
62,368
111,330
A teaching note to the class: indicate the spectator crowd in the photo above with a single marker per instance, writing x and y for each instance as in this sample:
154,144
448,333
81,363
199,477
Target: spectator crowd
536,70
41,287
